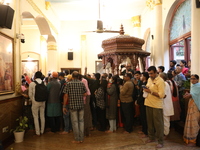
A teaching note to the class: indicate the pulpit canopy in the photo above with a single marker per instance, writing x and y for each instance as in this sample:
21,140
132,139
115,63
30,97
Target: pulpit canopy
118,48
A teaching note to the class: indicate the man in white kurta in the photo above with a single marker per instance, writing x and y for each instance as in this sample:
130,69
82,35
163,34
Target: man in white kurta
168,109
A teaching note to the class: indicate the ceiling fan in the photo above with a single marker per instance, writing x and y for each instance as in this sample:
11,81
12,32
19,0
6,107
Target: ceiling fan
100,28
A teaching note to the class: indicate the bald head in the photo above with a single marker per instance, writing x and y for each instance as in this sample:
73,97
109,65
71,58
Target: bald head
163,76
178,69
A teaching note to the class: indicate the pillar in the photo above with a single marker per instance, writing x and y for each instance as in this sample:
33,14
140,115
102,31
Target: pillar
52,58
136,21
195,40
156,31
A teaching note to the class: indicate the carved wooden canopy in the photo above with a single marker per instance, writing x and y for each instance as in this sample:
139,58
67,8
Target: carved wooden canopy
118,48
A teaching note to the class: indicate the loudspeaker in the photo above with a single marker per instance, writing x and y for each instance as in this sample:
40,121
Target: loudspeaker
6,16
70,55
152,37
198,3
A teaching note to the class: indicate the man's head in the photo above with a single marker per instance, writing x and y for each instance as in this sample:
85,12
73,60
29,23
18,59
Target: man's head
163,76
161,69
152,72
128,66
54,74
172,63
69,77
61,75
178,69
137,75
104,76
80,77
38,74
75,75
145,76
97,76
127,76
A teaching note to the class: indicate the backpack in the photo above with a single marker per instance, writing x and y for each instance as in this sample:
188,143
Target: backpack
40,92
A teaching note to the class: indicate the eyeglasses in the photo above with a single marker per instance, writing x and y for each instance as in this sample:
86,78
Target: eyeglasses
192,78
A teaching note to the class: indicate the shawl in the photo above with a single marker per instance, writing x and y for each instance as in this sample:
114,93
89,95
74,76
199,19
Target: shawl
195,92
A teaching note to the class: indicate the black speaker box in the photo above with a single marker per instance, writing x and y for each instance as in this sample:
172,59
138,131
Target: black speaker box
6,16
198,3
70,55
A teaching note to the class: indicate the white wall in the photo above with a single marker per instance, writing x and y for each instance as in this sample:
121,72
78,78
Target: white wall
168,7
70,37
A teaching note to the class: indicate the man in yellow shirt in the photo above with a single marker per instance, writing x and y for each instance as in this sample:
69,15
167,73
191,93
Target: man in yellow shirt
154,106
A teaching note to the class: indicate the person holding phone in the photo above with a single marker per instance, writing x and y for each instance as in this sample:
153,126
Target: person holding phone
140,102
154,106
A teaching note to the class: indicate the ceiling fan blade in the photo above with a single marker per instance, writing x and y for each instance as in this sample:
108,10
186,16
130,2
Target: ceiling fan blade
111,31
99,25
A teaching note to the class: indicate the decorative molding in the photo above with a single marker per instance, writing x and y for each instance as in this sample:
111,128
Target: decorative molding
152,3
18,88
52,47
42,38
83,37
136,20
37,9
47,5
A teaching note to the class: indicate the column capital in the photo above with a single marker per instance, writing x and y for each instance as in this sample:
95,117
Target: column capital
152,3
51,46
83,37
136,20
47,5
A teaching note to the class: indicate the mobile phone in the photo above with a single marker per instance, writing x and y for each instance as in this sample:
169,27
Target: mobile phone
144,86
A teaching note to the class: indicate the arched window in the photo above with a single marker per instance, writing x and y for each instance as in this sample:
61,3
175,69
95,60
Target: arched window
180,32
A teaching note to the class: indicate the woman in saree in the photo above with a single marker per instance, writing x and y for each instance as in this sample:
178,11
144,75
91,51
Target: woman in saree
192,123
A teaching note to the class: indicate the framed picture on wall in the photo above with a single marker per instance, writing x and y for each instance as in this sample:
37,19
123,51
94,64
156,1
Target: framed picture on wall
6,65
98,67
70,70
30,67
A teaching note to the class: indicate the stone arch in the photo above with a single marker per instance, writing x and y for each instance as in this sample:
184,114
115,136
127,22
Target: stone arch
42,25
146,35
45,31
166,31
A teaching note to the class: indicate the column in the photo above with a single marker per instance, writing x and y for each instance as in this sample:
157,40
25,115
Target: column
84,53
136,20
156,31
195,40
43,55
52,58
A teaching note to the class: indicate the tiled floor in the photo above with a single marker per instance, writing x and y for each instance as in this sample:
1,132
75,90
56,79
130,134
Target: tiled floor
98,141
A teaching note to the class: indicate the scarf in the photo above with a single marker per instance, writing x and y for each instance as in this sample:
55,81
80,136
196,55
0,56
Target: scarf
195,92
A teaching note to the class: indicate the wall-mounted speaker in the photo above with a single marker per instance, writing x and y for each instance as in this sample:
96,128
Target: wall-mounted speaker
6,16
152,37
198,3
70,55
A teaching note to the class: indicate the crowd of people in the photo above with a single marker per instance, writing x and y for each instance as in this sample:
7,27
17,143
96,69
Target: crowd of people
104,102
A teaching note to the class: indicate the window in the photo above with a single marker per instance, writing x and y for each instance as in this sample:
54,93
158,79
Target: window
180,33
181,50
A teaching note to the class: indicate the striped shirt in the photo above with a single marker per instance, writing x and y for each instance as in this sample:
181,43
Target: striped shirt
75,90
